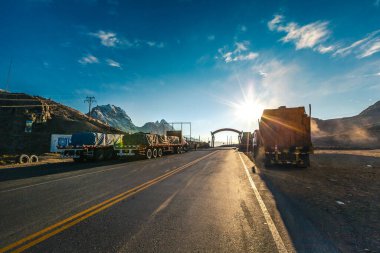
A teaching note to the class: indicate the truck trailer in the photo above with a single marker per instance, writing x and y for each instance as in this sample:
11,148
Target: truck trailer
150,145
91,146
285,134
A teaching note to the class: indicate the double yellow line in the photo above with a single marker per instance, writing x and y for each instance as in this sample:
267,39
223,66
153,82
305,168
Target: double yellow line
48,232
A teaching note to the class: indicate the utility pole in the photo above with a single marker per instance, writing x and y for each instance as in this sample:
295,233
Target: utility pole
9,75
89,100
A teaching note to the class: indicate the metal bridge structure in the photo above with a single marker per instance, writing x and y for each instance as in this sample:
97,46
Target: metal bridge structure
240,133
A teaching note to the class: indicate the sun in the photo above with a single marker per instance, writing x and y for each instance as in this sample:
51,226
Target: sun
249,110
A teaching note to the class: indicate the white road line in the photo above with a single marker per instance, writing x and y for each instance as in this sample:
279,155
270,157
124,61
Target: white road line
272,227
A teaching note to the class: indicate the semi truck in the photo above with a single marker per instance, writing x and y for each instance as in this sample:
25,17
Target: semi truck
91,146
285,135
150,145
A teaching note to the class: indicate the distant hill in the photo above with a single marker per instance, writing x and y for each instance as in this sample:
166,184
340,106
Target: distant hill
116,117
360,131
48,117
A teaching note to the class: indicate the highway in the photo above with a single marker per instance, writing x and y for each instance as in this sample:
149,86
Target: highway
194,202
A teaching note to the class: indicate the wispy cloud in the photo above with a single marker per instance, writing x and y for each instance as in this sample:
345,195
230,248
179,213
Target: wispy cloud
240,53
307,36
377,3
88,59
113,63
107,39
362,48
112,39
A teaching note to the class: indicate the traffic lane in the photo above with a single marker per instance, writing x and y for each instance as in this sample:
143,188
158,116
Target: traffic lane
67,170
207,207
27,210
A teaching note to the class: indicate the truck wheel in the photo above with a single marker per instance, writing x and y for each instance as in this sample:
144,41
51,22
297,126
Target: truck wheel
78,160
33,159
98,155
148,153
23,158
154,154
159,152
267,161
178,150
108,154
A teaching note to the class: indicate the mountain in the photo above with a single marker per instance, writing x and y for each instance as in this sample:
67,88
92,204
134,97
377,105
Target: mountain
47,117
113,116
118,118
360,131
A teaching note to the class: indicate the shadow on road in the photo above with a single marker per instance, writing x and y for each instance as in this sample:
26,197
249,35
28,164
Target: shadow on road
13,173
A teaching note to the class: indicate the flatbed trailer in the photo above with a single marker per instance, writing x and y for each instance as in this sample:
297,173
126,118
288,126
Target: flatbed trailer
90,146
149,145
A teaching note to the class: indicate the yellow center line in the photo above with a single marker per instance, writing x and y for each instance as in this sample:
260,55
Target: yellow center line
71,221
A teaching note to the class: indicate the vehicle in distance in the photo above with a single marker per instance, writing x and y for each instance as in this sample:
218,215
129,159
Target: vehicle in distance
285,136
151,145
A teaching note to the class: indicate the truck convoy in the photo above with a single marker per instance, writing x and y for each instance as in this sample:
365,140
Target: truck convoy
91,146
285,135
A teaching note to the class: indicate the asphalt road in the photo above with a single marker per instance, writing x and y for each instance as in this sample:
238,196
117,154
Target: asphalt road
194,202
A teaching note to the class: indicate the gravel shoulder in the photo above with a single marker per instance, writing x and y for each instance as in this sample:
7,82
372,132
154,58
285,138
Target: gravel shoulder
338,194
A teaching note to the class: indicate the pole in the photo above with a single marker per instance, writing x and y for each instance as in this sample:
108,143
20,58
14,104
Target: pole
9,75
89,100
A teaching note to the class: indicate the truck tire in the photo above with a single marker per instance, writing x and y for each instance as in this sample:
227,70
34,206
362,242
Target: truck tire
154,153
108,154
159,152
267,161
33,159
23,158
78,160
148,153
98,155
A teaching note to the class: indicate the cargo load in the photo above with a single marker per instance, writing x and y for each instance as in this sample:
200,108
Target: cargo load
140,139
94,139
151,145
286,136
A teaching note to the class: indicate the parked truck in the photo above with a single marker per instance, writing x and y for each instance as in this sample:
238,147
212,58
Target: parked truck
150,145
91,146
285,135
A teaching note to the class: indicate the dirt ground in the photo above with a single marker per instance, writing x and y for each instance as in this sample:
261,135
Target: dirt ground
338,193
7,162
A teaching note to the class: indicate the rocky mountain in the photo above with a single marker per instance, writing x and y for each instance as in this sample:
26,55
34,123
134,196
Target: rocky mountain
118,118
360,131
113,116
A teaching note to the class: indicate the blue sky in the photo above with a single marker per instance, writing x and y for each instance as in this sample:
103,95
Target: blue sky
214,63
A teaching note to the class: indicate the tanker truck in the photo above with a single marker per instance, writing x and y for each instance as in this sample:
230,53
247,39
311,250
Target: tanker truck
285,136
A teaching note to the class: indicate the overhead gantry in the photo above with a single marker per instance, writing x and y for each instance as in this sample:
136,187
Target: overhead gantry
224,130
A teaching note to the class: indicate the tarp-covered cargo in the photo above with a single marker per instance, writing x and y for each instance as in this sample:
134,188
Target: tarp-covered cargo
163,139
94,139
173,140
285,128
140,139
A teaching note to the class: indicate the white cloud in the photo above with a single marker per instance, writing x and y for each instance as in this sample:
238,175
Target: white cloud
107,39
307,36
211,37
113,63
328,49
377,3
362,48
151,43
88,59
240,53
